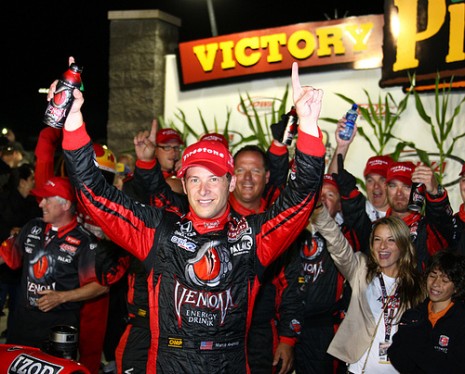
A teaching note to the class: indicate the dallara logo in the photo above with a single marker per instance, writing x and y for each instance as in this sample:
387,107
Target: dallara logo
174,342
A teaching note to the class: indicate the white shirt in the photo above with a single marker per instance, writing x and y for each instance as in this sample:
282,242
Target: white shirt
372,212
375,300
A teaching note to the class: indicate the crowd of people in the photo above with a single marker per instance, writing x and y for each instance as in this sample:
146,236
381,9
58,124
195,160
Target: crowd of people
203,261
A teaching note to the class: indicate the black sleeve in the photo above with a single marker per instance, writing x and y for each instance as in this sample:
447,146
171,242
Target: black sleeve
124,220
149,187
111,262
283,221
356,222
440,219
290,309
279,170
458,243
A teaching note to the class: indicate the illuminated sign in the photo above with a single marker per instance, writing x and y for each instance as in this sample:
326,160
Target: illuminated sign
425,37
354,42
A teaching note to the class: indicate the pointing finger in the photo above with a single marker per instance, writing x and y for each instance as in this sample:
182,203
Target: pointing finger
153,131
296,87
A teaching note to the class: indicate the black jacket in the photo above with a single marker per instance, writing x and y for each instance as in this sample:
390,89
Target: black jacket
418,347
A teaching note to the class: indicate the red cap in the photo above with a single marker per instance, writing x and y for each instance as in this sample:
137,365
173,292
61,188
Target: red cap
167,135
212,155
378,165
401,171
214,136
328,178
463,170
56,186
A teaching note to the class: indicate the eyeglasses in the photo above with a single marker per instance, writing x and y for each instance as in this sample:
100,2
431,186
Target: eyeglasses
168,148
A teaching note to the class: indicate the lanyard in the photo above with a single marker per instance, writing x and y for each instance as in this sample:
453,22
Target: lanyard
390,303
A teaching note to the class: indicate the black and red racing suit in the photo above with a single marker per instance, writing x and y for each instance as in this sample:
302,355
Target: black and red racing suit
132,351
203,272
61,262
459,235
276,316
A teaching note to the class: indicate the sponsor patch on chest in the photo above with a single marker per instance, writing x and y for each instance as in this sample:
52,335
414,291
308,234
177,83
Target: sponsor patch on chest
72,240
244,246
236,232
71,249
184,243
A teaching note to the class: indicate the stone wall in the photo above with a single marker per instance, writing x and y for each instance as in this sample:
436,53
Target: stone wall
139,41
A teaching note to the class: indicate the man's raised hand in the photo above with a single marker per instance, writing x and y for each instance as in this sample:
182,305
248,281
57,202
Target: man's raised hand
307,101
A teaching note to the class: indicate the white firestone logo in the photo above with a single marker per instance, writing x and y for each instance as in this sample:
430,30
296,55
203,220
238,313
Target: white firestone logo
400,168
209,151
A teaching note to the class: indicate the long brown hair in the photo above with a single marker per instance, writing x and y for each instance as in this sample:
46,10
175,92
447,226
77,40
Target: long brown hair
410,287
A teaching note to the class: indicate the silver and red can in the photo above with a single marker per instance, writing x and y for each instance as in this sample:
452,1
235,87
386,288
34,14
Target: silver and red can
417,197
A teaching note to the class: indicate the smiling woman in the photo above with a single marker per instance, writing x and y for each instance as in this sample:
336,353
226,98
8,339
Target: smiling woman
384,282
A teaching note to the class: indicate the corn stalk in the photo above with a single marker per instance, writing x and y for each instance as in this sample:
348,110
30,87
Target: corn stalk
441,123
260,129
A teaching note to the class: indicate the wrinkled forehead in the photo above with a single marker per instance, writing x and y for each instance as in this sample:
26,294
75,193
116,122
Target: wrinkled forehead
329,187
170,142
198,170
375,176
250,157
398,182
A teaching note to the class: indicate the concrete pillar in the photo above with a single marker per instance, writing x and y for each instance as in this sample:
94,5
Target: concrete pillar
139,41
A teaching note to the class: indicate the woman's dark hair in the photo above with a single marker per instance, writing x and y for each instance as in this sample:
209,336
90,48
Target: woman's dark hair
453,265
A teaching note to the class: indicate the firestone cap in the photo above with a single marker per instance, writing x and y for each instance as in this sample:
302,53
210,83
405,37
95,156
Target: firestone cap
56,186
378,165
214,136
401,171
212,155
167,135
328,178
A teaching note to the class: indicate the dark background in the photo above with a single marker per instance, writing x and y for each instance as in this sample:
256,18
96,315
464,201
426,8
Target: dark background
36,40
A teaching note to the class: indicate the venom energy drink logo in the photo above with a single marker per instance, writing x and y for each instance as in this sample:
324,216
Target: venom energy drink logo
208,268
204,305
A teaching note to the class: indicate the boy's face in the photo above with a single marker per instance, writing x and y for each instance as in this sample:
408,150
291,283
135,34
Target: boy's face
439,287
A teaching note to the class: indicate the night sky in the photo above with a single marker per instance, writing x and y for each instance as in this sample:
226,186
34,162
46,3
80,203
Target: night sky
37,39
